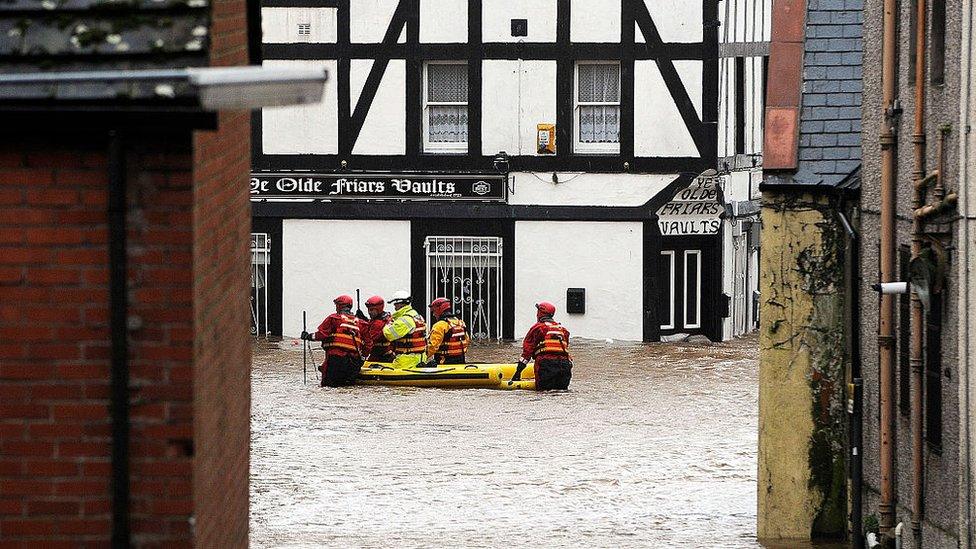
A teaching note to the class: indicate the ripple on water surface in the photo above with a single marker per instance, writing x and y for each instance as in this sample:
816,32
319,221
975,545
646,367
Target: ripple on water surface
653,446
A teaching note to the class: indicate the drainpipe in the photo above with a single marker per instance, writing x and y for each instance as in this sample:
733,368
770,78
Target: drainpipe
966,530
918,178
886,321
118,298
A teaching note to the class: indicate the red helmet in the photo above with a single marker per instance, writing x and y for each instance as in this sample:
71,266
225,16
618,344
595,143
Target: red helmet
343,302
439,306
375,301
544,308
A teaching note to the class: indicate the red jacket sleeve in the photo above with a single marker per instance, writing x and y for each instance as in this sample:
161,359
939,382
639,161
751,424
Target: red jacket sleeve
532,339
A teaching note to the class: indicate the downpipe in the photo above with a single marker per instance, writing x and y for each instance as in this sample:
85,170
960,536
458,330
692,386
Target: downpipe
118,303
918,228
965,537
886,336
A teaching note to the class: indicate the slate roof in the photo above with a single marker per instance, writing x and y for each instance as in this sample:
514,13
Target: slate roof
829,147
101,35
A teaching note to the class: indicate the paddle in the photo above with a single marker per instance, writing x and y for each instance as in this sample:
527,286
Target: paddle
359,308
304,351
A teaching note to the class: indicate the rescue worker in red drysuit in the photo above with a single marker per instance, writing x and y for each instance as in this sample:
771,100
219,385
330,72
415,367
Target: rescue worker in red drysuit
341,334
448,339
379,349
547,342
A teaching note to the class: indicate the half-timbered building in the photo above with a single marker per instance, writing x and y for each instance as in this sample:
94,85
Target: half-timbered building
500,153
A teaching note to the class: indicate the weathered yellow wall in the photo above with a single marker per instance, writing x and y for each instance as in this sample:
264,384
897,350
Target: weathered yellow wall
801,369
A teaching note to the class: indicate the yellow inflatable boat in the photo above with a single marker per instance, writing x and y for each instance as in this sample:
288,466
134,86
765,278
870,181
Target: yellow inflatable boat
486,376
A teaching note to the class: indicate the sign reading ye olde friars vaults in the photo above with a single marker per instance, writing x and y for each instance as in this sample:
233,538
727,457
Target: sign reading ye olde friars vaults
694,210
378,186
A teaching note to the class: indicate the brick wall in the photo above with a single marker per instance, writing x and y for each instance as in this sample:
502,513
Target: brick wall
221,274
54,339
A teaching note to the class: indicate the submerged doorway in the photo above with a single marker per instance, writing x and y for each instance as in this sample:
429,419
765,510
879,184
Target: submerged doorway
467,270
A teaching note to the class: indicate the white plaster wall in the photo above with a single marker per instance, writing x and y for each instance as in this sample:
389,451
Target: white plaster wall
384,131
280,25
497,15
690,73
587,189
443,21
726,109
658,127
324,258
595,21
605,258
303,129
517,95
676,20
369,19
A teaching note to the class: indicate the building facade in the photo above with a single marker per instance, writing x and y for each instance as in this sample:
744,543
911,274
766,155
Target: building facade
500,154
921,493
124,354
807,346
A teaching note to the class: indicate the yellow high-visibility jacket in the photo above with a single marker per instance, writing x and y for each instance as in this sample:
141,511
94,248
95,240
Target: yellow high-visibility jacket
402,323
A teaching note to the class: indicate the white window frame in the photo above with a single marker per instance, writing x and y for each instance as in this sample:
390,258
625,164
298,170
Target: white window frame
698,277
670,296
594,148
459,147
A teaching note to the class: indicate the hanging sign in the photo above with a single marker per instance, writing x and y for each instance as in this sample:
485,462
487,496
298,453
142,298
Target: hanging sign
378,186
694,210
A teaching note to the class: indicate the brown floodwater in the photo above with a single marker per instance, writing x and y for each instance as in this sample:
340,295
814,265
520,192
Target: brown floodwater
653,446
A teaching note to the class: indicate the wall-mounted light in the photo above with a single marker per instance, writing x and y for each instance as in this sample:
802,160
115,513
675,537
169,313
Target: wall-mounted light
501,163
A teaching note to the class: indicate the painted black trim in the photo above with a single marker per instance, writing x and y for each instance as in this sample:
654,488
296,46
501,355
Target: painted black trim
672,81
474,56
536,51
627,25
414,138
710,24
466,163
565,78
740,105
563,52
300,3
397,23
254,32
272,226
343,97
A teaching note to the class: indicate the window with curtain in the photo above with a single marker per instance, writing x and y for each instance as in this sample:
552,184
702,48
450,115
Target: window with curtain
446,107
598,107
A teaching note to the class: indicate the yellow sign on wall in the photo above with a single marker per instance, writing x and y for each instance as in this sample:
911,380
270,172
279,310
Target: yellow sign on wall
546,138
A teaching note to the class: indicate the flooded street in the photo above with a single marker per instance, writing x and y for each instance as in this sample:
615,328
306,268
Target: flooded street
653,446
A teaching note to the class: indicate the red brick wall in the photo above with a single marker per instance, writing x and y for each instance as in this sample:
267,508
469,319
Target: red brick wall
55,433
221,274
189,278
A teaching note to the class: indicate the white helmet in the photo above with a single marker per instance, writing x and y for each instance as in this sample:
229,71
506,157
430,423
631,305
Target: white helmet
400,295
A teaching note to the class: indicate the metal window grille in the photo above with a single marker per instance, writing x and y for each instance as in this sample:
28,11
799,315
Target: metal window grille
260,259
468,271
304,29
